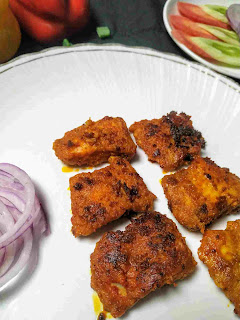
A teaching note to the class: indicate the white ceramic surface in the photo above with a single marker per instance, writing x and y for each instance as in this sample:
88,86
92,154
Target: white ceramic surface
45,94
171,8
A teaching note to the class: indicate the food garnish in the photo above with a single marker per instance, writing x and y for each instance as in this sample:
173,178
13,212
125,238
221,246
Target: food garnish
103,32
22,221
205,30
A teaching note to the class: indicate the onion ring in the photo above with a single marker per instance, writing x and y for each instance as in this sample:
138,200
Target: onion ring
22,221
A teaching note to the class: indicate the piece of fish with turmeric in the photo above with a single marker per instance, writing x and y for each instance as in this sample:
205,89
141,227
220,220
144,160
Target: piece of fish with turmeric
220,251
170,141
104,195
127,265
94,142
201,193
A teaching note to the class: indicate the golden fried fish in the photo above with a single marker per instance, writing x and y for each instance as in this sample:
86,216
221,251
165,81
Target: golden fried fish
127,265
220,251
201,193
94,142
105,195
170,141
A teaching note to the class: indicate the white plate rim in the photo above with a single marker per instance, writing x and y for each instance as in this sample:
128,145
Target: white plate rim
83,47
194,56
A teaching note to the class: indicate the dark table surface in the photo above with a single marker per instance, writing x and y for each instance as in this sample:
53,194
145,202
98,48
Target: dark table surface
132,22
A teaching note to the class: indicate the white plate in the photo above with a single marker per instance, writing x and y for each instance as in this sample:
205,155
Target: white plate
45,94
170,7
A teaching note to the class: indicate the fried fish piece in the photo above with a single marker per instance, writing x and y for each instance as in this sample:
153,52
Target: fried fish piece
170,141
220,251
201,193
127,265
94,142
105,195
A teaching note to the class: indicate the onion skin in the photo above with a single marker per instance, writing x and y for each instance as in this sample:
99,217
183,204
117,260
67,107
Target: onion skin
22,221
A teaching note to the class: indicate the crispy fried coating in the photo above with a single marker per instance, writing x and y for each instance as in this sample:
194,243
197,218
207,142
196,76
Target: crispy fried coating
170,141
105,195
127,265
201,193
220,251
94,142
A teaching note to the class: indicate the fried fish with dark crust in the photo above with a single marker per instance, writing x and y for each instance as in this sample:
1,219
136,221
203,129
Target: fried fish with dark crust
105,195
220,251
94,142
170,141
201,193
127,265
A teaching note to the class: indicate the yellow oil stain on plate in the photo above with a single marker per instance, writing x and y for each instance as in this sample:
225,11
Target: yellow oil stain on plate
69,169
97,304
98,307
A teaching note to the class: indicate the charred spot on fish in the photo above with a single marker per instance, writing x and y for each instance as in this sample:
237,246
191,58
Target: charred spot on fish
145,264
172,180
117,188
144,230
222,203
181,134
152,129
118,149
78,186
116,258
127,238
89,181
101,316
70,143
208,176
89,135
108,174
204,208
188,157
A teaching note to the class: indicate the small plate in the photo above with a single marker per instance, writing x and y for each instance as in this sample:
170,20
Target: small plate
171,8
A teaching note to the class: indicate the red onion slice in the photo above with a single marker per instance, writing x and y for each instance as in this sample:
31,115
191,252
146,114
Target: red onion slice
233,15
22,221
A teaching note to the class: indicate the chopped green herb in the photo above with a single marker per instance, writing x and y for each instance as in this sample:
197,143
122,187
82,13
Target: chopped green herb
103,32
66,43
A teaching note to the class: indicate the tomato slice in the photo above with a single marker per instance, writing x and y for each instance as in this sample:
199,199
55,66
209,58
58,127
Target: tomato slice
196,13
189,27
186,40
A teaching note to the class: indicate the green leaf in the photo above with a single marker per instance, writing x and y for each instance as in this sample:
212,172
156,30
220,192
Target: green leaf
66,43
103,32
225,35
220,51
215,13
